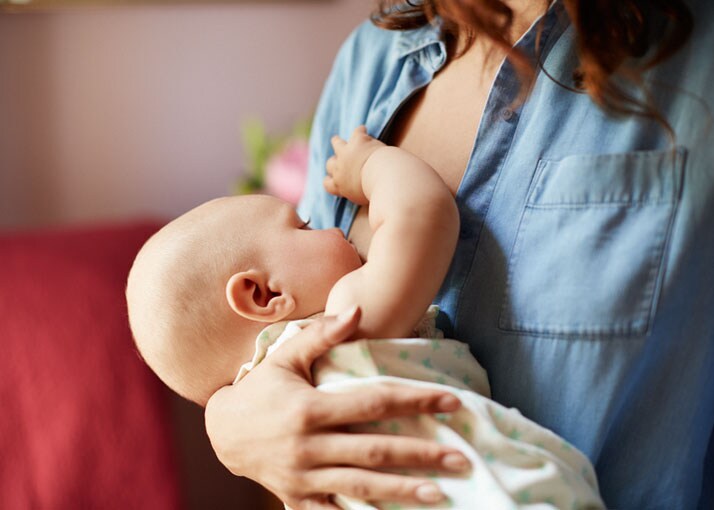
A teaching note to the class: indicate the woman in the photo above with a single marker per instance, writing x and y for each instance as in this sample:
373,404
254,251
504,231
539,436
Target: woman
583,279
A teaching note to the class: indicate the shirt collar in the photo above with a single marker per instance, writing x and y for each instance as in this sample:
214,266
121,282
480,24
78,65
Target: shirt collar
412,41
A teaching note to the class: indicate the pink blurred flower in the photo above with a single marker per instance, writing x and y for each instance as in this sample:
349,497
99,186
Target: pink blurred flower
286,171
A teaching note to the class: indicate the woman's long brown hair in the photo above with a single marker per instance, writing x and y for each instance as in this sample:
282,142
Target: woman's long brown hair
617,40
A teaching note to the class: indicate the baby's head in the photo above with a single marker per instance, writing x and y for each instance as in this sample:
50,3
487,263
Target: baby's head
206,284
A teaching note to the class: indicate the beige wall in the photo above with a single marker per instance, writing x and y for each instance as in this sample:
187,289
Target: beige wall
116,113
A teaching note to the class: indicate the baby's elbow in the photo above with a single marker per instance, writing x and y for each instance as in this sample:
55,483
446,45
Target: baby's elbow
444,214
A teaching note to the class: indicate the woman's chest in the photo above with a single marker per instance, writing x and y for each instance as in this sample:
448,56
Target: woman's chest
439,124
444,143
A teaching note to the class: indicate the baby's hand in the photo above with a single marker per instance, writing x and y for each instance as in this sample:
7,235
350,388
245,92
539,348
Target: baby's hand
344,169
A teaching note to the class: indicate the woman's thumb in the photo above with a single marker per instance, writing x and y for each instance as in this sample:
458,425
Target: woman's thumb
318,338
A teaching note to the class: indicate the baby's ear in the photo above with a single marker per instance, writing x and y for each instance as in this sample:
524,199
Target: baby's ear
250,296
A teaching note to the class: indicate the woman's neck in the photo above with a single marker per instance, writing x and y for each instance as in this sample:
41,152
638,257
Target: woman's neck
525,12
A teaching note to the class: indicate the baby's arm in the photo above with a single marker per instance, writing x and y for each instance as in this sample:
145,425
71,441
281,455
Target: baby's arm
414,222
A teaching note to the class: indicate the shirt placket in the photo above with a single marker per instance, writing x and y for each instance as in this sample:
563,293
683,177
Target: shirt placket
494,138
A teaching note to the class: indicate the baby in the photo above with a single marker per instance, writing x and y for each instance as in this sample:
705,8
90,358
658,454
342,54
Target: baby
205,285
216,290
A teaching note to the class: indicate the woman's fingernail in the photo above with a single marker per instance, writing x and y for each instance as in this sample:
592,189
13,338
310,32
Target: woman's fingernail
429,493
455,462
346,315
448,403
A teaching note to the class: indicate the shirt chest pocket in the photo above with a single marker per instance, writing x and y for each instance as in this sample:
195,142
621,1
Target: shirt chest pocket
590,246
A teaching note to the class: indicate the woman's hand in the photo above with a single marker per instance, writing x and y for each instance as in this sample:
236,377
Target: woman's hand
277,429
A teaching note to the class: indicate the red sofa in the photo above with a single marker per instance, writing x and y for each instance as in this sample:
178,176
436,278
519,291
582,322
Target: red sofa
84,423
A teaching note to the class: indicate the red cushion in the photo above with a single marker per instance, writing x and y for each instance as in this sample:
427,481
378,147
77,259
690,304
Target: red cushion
84,423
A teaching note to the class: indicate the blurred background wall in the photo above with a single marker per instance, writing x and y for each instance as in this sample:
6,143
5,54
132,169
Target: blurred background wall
109,115
114,113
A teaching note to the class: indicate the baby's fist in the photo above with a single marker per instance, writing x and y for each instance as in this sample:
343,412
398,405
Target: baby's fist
344,169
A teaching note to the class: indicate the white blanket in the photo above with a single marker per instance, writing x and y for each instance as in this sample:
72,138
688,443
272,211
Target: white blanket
517,464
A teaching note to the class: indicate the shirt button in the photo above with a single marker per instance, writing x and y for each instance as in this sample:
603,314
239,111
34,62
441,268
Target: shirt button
507,114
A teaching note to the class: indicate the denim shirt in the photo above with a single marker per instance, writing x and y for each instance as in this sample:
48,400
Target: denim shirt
583,278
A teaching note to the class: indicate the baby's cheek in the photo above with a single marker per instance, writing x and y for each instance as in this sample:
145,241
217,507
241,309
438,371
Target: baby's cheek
339,261
350,257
